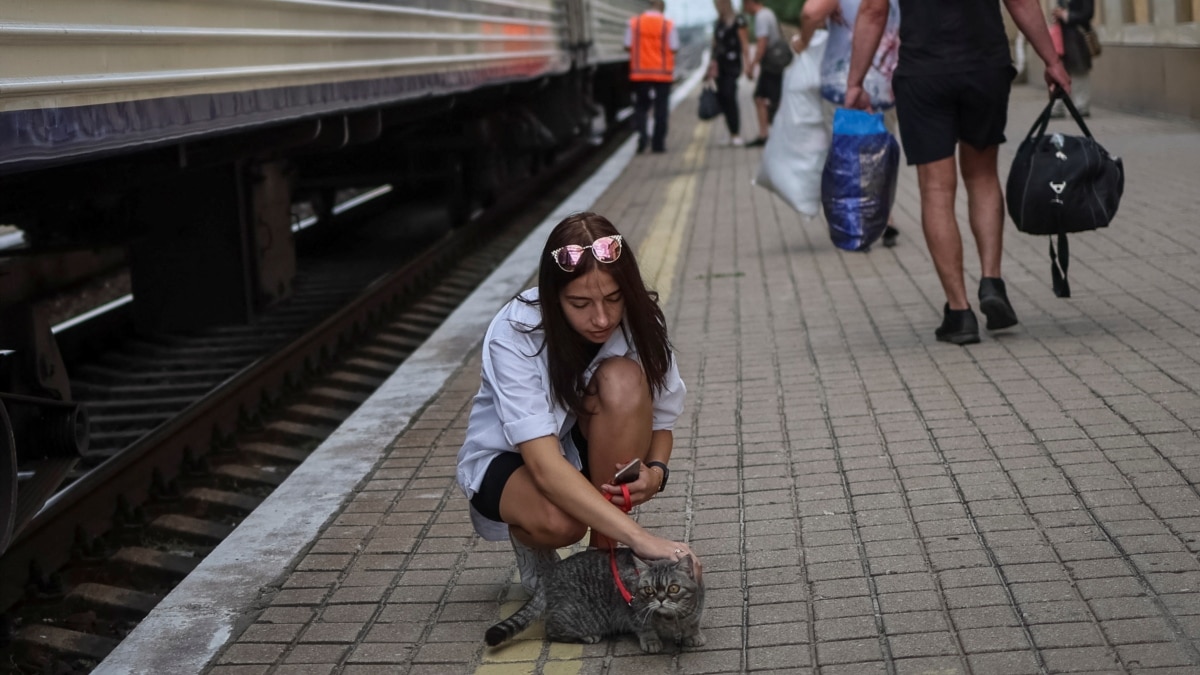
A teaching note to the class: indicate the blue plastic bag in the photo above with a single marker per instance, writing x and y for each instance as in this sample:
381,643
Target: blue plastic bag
858,185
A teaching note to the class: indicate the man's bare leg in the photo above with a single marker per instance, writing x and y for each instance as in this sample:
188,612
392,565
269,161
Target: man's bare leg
938,181
985,203
761,107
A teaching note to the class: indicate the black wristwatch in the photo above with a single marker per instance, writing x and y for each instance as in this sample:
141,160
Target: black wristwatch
666,474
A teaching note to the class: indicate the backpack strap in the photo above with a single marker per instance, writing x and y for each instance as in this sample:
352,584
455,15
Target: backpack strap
1058,266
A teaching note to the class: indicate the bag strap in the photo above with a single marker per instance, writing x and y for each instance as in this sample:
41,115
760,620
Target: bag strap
1066,98
1043,121
1058,267
1039,125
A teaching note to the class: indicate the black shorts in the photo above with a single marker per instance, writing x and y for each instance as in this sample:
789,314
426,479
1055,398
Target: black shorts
938,111
487,499
769,86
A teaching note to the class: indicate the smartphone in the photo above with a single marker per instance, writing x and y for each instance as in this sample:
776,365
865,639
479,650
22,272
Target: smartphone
628,473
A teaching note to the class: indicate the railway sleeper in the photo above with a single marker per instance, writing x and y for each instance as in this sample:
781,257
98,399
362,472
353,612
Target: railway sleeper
42,644
332,393
322,414
400,339
285,430
176,526
210,501
369,367
346,378
159,564
112,599
240,475
274,451
140,420
166,362
381,352
89,390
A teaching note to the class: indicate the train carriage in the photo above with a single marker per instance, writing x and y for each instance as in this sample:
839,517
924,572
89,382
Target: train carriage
180,136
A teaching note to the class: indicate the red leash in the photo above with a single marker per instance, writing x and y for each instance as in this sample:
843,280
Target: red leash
612,550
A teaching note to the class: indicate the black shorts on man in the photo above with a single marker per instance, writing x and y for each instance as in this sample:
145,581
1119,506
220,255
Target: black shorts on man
770,87
935,112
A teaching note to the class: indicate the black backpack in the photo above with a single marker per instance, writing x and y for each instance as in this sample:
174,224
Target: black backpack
1060,184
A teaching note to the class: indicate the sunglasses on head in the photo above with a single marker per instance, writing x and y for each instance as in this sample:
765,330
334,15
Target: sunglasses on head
605,249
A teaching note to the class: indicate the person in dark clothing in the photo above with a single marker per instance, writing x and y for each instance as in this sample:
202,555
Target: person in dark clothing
951,87
769,90
725,66
1073,16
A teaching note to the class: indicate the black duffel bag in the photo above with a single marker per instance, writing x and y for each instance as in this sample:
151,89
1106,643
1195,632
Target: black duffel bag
1060,184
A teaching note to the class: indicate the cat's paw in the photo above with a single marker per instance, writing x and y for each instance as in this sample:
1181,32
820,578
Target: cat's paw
650,645
696,640
591,639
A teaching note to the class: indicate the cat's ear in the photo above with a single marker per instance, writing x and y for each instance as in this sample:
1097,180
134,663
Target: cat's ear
685,564
640,565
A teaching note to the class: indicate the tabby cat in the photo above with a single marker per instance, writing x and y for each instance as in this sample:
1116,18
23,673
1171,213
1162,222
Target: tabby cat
582,604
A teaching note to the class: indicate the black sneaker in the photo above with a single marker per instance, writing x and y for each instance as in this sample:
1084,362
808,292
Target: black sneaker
889,236
959,326
757,143
993,302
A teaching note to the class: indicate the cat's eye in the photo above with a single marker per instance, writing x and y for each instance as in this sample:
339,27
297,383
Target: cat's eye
673,589
648,592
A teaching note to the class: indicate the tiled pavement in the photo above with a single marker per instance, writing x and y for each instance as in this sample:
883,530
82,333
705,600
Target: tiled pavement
865,499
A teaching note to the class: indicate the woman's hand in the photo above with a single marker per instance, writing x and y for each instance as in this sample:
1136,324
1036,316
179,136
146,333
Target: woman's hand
657,548
641,490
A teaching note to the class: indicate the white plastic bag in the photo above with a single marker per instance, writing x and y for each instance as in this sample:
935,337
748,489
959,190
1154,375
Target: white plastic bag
794,156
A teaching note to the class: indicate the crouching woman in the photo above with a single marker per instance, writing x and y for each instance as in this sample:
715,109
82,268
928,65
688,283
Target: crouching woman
578,379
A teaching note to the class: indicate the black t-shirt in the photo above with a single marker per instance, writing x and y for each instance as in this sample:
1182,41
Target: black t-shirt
727,46
951,36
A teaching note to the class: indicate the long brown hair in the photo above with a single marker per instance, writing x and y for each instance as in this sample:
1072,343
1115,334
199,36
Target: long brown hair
725,10
567,352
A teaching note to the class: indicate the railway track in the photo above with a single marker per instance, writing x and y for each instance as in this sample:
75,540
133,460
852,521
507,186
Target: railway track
191,433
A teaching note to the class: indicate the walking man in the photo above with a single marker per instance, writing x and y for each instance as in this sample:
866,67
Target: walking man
951,88
769,90
652,41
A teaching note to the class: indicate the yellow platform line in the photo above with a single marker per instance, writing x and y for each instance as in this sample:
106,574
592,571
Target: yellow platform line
658,257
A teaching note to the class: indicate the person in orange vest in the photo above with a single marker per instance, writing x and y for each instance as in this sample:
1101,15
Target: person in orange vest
651,40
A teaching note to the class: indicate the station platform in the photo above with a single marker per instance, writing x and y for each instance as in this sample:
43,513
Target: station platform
864,498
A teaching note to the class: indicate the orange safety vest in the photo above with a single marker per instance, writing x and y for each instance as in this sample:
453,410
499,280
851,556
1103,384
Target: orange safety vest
650,55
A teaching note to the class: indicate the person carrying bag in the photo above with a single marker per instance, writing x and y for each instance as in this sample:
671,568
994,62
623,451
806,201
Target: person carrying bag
1061,184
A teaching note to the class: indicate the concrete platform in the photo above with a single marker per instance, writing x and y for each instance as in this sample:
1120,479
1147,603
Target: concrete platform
865,498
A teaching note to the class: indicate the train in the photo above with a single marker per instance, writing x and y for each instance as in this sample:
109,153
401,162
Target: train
185,139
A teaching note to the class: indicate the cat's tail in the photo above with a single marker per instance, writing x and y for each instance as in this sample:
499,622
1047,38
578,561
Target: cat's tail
519,621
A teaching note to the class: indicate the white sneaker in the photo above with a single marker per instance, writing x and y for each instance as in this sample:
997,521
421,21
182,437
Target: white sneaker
737,141
532,563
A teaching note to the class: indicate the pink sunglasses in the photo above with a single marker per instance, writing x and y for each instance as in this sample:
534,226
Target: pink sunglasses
605,249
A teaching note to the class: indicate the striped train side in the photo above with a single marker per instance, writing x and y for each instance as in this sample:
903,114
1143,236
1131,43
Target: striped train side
82,78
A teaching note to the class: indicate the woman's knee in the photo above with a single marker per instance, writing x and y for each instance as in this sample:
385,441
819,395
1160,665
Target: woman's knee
620,384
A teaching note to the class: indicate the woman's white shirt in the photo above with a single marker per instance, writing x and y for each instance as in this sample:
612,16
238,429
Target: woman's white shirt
514,403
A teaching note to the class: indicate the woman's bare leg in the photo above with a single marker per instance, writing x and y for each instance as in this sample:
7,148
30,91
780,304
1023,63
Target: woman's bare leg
532,518
618,426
